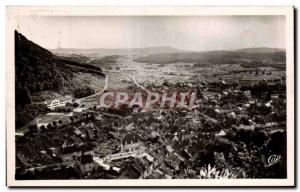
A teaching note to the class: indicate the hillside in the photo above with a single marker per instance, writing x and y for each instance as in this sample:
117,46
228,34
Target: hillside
267,55
37,69
260,50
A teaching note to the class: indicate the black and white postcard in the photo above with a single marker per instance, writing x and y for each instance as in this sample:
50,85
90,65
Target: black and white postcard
150,96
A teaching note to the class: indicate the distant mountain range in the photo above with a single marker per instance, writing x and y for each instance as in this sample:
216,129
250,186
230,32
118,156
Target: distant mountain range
165,54
260,50
107,52
261,55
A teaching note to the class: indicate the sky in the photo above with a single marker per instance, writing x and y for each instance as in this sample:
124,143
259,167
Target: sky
198,33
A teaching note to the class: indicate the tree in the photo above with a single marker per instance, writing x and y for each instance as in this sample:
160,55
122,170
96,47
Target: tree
75,105
83,92
33,128
43,128
54,123
72,119
268,96
277,143
49,126
22,96
260,137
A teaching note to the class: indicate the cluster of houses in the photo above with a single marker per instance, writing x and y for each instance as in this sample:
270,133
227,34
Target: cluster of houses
160,143
242,109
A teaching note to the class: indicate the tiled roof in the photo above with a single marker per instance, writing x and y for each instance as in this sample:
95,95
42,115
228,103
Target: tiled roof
134,137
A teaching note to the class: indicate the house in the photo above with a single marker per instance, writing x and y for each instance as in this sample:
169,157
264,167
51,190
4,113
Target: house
247,94
185,154
259,123
169,148
275,96
58,102
77,132
75,140
134,170
157,174
221,133
175,138
148,167
187,136
246,124
166,170
131,142
268,104
269,121
80,109
252,101
231,115
173,162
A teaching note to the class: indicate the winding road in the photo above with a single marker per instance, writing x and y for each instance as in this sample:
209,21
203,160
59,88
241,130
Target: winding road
131,78
140,86
106,85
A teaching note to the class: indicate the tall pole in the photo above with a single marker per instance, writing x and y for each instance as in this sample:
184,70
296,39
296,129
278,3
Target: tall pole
59,41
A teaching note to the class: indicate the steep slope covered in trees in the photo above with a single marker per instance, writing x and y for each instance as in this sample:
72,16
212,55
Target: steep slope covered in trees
37,69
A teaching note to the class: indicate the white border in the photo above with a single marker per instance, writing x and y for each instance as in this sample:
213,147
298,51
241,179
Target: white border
14,12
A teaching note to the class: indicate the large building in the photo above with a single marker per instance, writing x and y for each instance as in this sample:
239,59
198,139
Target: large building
58,102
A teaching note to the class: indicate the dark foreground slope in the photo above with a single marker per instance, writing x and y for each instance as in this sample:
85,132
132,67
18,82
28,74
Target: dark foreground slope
37,69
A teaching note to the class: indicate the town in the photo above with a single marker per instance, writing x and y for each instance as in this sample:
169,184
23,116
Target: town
231,132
